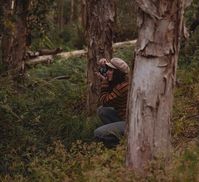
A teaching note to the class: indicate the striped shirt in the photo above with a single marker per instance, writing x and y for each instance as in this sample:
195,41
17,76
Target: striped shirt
117,97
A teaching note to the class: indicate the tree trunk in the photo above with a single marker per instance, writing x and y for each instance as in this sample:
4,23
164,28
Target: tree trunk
60,15
7,37
14,40
99,23
83,13
160,25
72,10
195,22
75,15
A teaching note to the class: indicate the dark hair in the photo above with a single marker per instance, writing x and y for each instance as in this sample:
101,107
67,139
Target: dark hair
118,77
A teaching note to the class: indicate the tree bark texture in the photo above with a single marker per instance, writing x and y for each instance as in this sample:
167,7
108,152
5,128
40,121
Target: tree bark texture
7,37
99,22
72,10
83,13
14,38
160,24
76,11
60,15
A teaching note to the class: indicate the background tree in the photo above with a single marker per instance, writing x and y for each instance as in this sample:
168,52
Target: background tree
21,21
125,27
14,37
42,117
41,20
99,28
195,23
160,26
60,13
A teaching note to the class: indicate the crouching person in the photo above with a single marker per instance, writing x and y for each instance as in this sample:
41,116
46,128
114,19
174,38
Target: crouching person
113,100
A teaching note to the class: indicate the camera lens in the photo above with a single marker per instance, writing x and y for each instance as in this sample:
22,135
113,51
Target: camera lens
102,70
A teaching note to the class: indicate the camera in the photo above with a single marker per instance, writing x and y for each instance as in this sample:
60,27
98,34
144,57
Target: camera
103,70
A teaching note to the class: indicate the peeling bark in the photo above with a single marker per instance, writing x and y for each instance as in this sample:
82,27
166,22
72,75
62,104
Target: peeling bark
151,94
99,23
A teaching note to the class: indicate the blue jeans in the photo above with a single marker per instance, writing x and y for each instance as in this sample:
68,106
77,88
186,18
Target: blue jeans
113,127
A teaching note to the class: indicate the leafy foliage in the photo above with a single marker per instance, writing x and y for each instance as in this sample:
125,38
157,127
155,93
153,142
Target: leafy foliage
43,122
38,20
125,28
42,109
190,49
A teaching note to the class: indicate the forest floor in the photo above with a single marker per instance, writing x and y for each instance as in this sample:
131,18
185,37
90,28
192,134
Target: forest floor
46,135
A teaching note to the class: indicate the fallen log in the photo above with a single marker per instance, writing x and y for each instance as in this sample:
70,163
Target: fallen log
43,52
31,54
50,58
124,44
76,53
40,59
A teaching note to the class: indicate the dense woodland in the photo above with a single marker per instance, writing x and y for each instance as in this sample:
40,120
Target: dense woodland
47,110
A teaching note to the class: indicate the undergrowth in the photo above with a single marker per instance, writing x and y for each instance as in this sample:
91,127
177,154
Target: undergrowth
46,136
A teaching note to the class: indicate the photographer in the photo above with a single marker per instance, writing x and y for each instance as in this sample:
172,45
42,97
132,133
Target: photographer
113,100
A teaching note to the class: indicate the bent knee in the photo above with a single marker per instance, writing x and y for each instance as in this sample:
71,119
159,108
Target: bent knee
104,111
97,133
101,131
100,110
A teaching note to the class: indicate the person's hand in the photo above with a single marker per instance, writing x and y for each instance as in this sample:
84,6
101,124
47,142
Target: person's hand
100,76
102,62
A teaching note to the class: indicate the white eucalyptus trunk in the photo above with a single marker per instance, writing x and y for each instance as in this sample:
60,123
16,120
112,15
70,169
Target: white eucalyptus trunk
160,24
